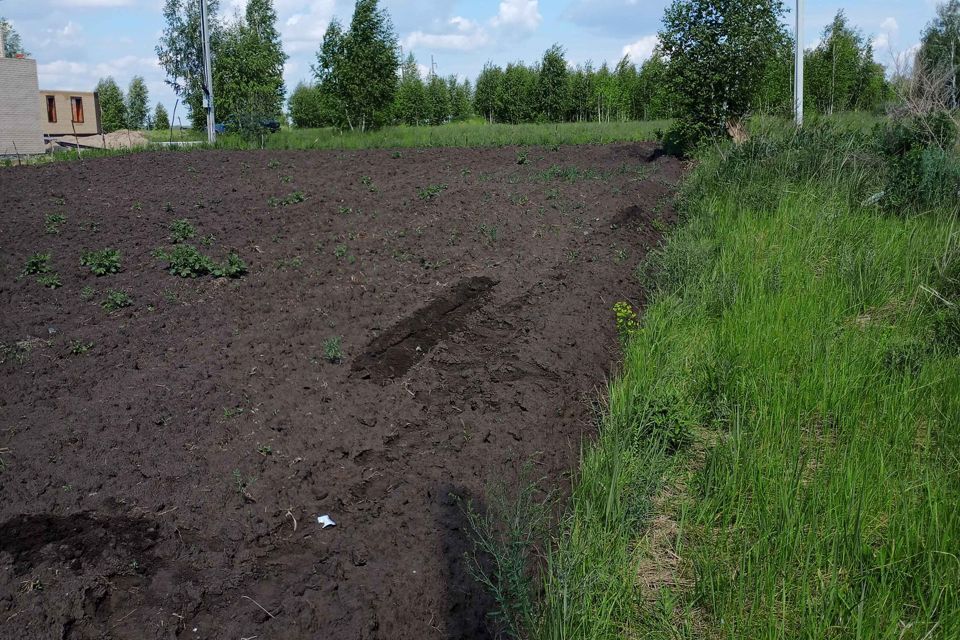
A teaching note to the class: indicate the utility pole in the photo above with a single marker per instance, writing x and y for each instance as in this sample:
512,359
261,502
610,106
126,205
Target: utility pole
433,66
798,67
3,50
207,74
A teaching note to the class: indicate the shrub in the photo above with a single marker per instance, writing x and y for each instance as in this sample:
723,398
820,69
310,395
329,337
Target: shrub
116,300
186,261
922,170
50,280
102,262
181,230
37,263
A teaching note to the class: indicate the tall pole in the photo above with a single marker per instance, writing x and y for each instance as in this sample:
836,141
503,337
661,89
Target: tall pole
798,67
207,74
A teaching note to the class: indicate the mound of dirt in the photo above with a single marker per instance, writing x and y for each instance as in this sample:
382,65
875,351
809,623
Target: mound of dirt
414,326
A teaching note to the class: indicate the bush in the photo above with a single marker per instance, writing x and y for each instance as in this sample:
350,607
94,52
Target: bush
102,262
922,170
181,230
36,264
186,261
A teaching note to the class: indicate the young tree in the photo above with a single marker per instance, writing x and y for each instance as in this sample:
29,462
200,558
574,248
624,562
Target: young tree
488,88
160,118
841,74
654,98
552,86
460,99
940,46
438,100
410,101
137,99
719,53
180,52
255,85
516,96
113,111
12,45
358,68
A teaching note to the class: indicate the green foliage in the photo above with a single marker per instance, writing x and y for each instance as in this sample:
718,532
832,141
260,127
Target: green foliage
720,52
409,105
437,101
49,280
37,263
293,197
113,109
161,121
507,538
101,262
940,47
306,106
840,73
180,52
53,222
923,171
79,347
181,230
333,350
248,74
186,261
552,85
116,300
137,99
356,69
12,43
431,192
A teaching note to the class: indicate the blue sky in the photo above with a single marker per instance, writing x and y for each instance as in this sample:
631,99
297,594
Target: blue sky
78,41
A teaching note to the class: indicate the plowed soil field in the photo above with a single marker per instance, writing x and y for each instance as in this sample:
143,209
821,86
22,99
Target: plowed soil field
413,326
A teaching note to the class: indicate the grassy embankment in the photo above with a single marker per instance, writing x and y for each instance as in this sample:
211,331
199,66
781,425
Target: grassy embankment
780,457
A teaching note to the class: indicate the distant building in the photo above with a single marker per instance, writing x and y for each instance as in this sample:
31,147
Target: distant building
68,113
20,130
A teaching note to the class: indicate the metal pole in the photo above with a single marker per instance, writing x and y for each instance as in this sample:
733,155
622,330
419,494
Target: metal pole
798,67
3,50
207,74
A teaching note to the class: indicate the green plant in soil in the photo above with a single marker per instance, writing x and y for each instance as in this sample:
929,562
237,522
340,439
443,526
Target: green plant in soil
116,300
431,192
333,350
36,264
50,280
186,261
101,262
181,230
53,222
79,347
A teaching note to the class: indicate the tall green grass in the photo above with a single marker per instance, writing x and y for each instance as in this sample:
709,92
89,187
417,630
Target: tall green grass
798,333
459,134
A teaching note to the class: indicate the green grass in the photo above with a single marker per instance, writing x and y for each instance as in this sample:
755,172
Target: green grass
795,337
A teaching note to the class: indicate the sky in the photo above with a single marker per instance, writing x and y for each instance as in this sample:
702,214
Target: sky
76,42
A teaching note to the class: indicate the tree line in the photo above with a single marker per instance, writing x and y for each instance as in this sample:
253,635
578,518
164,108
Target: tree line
131,111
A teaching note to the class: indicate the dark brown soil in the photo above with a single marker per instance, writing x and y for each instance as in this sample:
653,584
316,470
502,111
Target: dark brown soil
166,483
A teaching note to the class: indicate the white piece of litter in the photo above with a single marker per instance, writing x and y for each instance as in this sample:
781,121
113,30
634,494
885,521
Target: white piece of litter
324,521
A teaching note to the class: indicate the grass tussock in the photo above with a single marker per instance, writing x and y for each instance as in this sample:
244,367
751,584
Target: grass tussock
786,426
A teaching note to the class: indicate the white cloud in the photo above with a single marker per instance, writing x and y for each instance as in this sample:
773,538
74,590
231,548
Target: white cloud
518,14
466,35
640,50
303,30
514,17
890,25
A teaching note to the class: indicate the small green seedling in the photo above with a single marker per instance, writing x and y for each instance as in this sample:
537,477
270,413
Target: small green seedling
431,192
79,347
50,280
333,350
87,293
53,222
521,157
